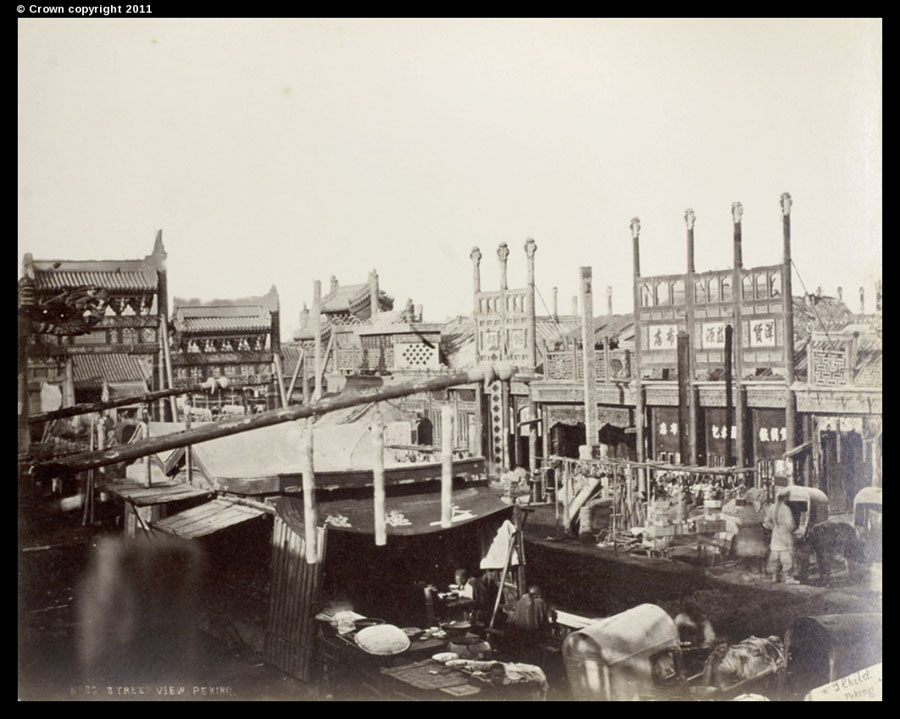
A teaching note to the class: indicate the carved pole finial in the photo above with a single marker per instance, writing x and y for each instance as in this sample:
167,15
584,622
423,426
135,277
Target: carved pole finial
690,218
502,255
786,203
530,247
635,227
737,211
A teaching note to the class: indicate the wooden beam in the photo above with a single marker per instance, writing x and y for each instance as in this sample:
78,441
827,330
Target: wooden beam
143,448
279,375
588,358
88,407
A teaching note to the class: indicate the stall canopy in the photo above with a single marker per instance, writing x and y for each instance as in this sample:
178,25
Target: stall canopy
404,516
277,450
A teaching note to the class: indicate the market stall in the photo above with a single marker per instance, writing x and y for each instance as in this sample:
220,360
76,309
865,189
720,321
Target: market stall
384,587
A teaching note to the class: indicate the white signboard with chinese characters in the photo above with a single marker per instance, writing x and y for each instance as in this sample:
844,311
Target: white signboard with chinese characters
762,333
772,434
721,431
713,336
663,337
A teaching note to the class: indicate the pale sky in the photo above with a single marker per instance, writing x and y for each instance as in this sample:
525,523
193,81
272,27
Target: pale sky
283,151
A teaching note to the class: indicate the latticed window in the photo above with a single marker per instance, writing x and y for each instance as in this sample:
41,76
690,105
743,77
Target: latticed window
128,337
246,370
148,335
196,373
230,370
215,371
181,373
209,346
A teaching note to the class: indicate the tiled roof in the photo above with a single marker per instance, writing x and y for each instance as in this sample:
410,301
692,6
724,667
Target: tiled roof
348,297
225,324
613,326
550,331
290,354
124,281
869,361
92,369
249,315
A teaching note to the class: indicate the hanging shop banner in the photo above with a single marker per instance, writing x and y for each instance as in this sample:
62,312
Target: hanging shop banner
762,332
720,437
770,433
713,336
666,430
662,337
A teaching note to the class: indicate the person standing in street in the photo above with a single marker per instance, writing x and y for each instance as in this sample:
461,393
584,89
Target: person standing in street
780,520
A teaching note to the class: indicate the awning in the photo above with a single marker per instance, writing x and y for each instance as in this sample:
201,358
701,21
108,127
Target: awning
405,516
143,496
206,519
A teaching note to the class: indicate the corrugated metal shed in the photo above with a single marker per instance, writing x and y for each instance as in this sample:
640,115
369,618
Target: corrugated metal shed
91,369
206,519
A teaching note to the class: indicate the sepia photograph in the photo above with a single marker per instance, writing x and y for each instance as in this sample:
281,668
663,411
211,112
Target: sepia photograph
448,359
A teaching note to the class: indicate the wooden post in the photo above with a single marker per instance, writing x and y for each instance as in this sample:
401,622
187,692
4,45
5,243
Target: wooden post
276,360
378,477
164,338
24,432
589,359
532,438
317,335
790,419
290,392
737,211
188,455
692,454
729,411
638,389
446,466
475,256
310,518
683,348
89,477
147,472
530,249
69,388
305,375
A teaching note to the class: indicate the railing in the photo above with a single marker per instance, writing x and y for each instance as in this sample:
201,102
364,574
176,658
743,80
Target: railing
568,365
356,359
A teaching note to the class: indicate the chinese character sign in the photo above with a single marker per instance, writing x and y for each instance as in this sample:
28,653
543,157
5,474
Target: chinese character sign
663,337
713,335
762,333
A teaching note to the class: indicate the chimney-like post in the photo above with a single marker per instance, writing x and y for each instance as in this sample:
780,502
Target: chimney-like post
475,256
691,395
737,212
334,285
575,305
790,421
530,249
840,294
878,297
589,359
317,337
862,300
373,294
638,389
609,309
419,314
502,255
556,304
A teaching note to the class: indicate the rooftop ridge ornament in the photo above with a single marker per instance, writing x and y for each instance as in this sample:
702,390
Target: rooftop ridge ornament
530,247
737,211
690,218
